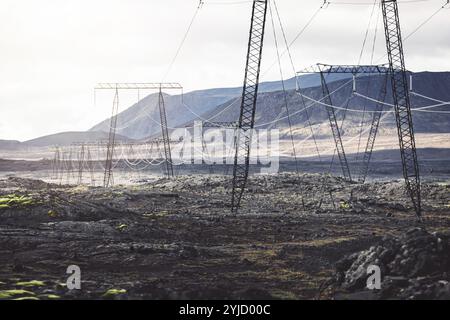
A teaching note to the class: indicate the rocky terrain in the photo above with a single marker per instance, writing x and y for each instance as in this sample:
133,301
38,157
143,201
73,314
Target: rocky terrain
415,265
177,239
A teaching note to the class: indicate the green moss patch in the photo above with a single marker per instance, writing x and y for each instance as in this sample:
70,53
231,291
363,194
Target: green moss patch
26,298
122,227
14,200
32,283
9,294
52,214
114,292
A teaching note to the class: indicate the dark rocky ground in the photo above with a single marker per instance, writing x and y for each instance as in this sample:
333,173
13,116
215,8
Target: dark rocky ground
176,239
415,265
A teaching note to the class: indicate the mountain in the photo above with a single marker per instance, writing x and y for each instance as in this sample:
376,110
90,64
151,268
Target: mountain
142,119
9,144
222,104
67,138
271,107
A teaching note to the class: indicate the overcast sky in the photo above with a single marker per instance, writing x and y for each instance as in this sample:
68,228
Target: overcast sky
53,52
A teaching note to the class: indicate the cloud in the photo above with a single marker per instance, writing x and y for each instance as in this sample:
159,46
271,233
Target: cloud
54,52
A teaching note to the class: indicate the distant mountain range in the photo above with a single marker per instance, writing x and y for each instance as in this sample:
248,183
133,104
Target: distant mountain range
60,139
141,120
271,110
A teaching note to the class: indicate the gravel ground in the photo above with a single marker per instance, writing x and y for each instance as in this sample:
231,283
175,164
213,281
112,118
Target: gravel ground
177,239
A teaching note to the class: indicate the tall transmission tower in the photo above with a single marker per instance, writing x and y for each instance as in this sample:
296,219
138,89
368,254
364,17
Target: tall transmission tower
402,104
90,165
248,105
162,111
69,166
373,132
81,160
56,163
165,134
355,70
108,177
335,129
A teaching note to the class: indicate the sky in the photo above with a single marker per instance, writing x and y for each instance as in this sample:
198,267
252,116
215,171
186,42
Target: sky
54,52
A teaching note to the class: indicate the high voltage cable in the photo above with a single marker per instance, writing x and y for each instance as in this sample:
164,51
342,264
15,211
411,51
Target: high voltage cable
421,109
354,137
314,101
367,32
308,23
183,41
421,25
375,35
429,98
322,123
306,107
296,79
284,88
359,62
287,47
425,22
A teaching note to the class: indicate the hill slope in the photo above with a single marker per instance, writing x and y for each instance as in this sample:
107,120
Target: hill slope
67,138
271,111
142,119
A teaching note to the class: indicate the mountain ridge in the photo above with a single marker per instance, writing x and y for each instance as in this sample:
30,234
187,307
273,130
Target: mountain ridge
270,106
141,120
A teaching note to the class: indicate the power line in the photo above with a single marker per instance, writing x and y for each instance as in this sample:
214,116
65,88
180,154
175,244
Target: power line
421,24
425,22
367,32
296,79
375,36
359,62
299,34
182,41
421,109
429,98
284,88
306,107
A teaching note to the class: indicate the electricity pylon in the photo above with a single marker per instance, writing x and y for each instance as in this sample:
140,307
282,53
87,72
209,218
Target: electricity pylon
163,117
248,105
402,103
355,70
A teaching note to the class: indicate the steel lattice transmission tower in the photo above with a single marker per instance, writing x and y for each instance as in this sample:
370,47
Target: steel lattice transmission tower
165,134
374,126
56,163
335,130
248,105
108,178
402,103
375,123
81,161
